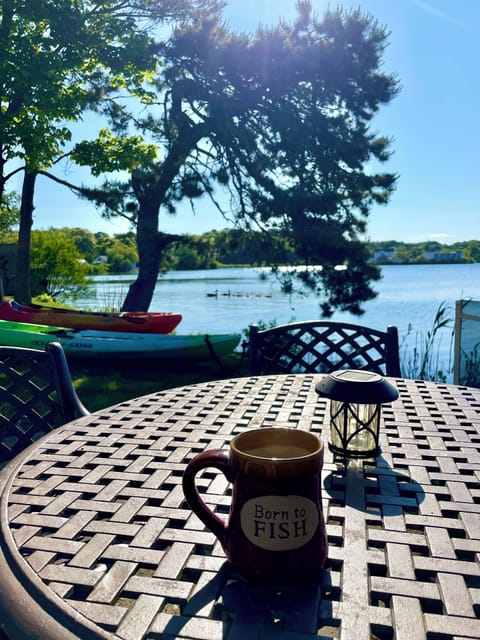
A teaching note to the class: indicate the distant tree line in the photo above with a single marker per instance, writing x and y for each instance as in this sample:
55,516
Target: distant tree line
250,248
235,247
63,259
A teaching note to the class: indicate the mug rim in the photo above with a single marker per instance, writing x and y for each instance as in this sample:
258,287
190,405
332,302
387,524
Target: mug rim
309,435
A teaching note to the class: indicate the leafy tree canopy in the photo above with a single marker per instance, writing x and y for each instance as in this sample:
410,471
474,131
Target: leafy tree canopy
280,121
58,59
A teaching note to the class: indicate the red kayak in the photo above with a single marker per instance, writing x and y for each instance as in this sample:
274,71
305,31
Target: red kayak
134,321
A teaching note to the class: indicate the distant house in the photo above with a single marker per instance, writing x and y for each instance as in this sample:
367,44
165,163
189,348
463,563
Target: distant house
443,256
384,256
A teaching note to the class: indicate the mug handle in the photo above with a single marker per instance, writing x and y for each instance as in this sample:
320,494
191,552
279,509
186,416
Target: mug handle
218,459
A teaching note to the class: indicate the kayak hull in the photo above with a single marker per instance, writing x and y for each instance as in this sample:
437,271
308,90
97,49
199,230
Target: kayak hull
91,344
127,321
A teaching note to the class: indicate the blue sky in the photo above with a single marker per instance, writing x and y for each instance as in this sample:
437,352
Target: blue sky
434,49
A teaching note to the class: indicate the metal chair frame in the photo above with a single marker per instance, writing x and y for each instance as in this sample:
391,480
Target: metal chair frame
323,346
36,396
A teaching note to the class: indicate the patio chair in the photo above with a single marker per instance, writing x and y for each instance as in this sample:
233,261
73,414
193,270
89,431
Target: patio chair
36,396
323,346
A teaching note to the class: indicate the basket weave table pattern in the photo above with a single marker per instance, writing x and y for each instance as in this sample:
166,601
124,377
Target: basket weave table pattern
95,528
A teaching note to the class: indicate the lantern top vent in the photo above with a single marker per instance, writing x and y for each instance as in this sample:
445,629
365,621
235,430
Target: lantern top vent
353,385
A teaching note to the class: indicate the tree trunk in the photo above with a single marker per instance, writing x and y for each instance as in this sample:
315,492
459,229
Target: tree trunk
22,279
149,247
2,174
150,189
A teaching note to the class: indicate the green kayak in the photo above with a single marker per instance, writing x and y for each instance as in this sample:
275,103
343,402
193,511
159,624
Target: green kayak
86,343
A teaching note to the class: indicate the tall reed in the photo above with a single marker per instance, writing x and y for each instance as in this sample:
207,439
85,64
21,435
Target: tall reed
111,300
423,361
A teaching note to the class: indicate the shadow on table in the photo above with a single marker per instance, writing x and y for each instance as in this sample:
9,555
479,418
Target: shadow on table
251,612
374,486
247,611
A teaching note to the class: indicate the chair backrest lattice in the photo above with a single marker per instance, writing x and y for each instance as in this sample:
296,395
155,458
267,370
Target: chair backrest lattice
36,396
322,347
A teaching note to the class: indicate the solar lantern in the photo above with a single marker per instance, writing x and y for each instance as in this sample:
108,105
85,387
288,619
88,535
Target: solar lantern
356,398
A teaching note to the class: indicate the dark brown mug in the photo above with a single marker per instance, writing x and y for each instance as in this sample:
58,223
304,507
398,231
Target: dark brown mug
275,532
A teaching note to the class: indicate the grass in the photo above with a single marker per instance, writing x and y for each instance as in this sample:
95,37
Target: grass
106,383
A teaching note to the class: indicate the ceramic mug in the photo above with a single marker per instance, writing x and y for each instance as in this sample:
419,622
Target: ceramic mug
275,532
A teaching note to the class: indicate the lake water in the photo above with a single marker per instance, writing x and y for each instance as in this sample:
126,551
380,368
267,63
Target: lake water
408,296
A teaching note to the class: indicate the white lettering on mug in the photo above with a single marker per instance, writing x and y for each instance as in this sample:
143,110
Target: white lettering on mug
279,523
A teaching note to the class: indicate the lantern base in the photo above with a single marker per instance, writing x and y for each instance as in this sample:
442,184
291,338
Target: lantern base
359,455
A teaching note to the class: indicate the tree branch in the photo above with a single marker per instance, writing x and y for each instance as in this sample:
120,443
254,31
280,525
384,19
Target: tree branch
89,193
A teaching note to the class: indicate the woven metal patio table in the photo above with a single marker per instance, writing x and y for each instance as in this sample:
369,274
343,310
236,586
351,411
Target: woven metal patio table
97,540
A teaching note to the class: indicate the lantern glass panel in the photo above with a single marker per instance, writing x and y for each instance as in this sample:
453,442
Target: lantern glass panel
354,427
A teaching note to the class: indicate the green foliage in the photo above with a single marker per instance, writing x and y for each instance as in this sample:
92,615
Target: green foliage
103,242
192,257
9,217
37,88
122,256
84,240
57,267
111,153
471,251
